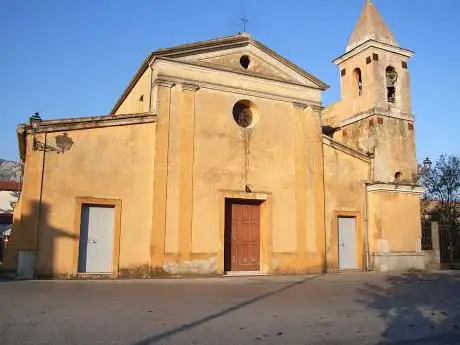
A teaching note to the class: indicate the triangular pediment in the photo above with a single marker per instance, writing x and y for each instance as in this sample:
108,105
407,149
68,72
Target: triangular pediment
225,53
242,54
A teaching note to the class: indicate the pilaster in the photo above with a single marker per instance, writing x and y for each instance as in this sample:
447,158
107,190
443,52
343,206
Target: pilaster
157,245
300,174
186,154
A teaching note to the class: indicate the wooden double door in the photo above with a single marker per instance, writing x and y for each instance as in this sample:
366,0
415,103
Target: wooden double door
242,235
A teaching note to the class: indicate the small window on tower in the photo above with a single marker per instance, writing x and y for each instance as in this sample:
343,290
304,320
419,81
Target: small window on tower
392,79
343,72
358,81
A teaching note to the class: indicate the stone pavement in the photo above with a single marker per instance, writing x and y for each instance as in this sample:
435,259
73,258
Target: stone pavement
351,308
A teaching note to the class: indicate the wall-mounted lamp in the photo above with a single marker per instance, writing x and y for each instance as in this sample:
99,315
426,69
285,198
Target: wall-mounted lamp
63,142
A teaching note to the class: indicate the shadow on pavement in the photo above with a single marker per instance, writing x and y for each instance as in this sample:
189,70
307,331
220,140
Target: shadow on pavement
418,308
187,326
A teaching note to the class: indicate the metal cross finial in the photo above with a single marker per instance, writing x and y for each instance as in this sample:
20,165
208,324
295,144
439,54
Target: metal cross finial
244,20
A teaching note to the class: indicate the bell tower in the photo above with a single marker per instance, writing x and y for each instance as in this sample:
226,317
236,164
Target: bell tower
374,113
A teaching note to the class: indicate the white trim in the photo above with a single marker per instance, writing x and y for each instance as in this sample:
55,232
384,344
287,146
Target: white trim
393,187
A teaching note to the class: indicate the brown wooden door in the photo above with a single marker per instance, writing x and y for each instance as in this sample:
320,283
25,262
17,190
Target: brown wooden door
242,236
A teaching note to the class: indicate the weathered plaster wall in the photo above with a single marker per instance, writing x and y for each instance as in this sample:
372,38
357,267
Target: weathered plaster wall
208,154
133,104
344,178
112,162
24,232
393,142
394,221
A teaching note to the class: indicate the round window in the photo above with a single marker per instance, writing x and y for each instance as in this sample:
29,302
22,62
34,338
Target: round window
245,61
244,114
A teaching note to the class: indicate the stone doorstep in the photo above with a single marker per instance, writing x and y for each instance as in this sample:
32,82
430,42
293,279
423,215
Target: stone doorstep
244,274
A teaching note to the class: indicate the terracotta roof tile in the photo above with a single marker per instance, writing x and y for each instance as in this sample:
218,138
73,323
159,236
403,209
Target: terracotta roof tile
9,185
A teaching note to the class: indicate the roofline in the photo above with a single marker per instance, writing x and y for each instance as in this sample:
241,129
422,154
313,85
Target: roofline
87,122
322,85
132,83
197,46
372,43
71,124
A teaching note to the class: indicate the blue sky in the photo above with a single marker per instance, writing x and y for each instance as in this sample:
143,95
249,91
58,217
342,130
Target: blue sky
67,58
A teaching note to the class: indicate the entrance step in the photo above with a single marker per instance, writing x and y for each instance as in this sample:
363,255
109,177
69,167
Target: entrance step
244,274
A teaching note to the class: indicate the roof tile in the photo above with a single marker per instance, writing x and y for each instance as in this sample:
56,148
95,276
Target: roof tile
9,185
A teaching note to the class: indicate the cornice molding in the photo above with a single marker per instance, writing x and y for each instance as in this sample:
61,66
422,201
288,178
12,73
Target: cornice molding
190,87
163,83
238,90
376,112
299,105
373,44
89,122
395,188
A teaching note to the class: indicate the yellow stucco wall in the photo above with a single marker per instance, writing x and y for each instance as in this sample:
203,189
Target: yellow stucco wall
344,179
108,163
394,144
272,157
395,218
133,103
24,233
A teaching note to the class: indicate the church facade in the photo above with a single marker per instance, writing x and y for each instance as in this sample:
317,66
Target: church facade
219,158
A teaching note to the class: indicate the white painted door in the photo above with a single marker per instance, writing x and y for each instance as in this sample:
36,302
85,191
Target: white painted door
347,243
96,239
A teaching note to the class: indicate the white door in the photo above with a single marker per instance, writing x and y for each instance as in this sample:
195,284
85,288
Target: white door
96,239
347,243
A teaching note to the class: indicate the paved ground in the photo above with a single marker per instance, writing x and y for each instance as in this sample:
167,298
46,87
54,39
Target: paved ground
354,308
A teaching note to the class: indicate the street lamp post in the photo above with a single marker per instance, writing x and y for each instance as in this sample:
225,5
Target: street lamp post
63,142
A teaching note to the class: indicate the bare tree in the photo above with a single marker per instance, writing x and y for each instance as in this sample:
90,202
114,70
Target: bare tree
442,183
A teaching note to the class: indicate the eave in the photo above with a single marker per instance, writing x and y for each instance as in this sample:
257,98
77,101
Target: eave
373,44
